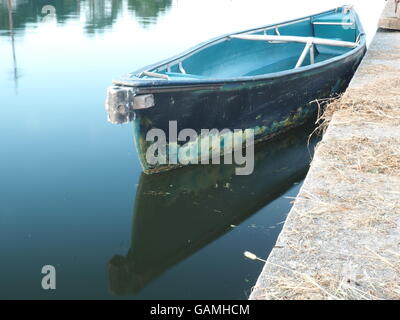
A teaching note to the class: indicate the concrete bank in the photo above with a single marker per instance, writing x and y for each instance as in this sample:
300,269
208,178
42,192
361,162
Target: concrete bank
341,239
391,16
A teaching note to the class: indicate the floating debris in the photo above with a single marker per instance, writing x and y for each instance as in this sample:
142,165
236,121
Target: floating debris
157,193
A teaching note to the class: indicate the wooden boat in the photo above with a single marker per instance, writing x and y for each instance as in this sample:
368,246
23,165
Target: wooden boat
177,213
266,79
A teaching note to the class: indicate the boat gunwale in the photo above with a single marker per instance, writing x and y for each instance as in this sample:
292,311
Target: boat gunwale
155,85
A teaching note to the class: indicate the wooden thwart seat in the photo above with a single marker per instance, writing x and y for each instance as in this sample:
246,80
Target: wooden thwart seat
309,41
313,40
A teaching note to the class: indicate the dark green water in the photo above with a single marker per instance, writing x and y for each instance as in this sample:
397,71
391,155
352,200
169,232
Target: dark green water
71,191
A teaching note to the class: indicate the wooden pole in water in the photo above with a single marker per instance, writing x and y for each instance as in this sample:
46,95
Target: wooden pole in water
11,26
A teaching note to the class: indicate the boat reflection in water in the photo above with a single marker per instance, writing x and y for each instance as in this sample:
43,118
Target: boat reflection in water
178,212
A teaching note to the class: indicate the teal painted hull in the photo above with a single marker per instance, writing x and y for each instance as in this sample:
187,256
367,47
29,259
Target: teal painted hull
230,83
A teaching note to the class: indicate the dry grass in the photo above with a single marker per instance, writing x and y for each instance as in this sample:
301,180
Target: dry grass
376,102
294,285
362,154
343,239
320,266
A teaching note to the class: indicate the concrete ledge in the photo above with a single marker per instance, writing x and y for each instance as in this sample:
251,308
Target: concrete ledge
390,20
341,239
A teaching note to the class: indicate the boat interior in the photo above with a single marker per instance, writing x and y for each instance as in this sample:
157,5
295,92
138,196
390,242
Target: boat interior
266,50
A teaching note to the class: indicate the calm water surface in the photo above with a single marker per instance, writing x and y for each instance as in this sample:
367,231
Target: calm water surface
71,191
